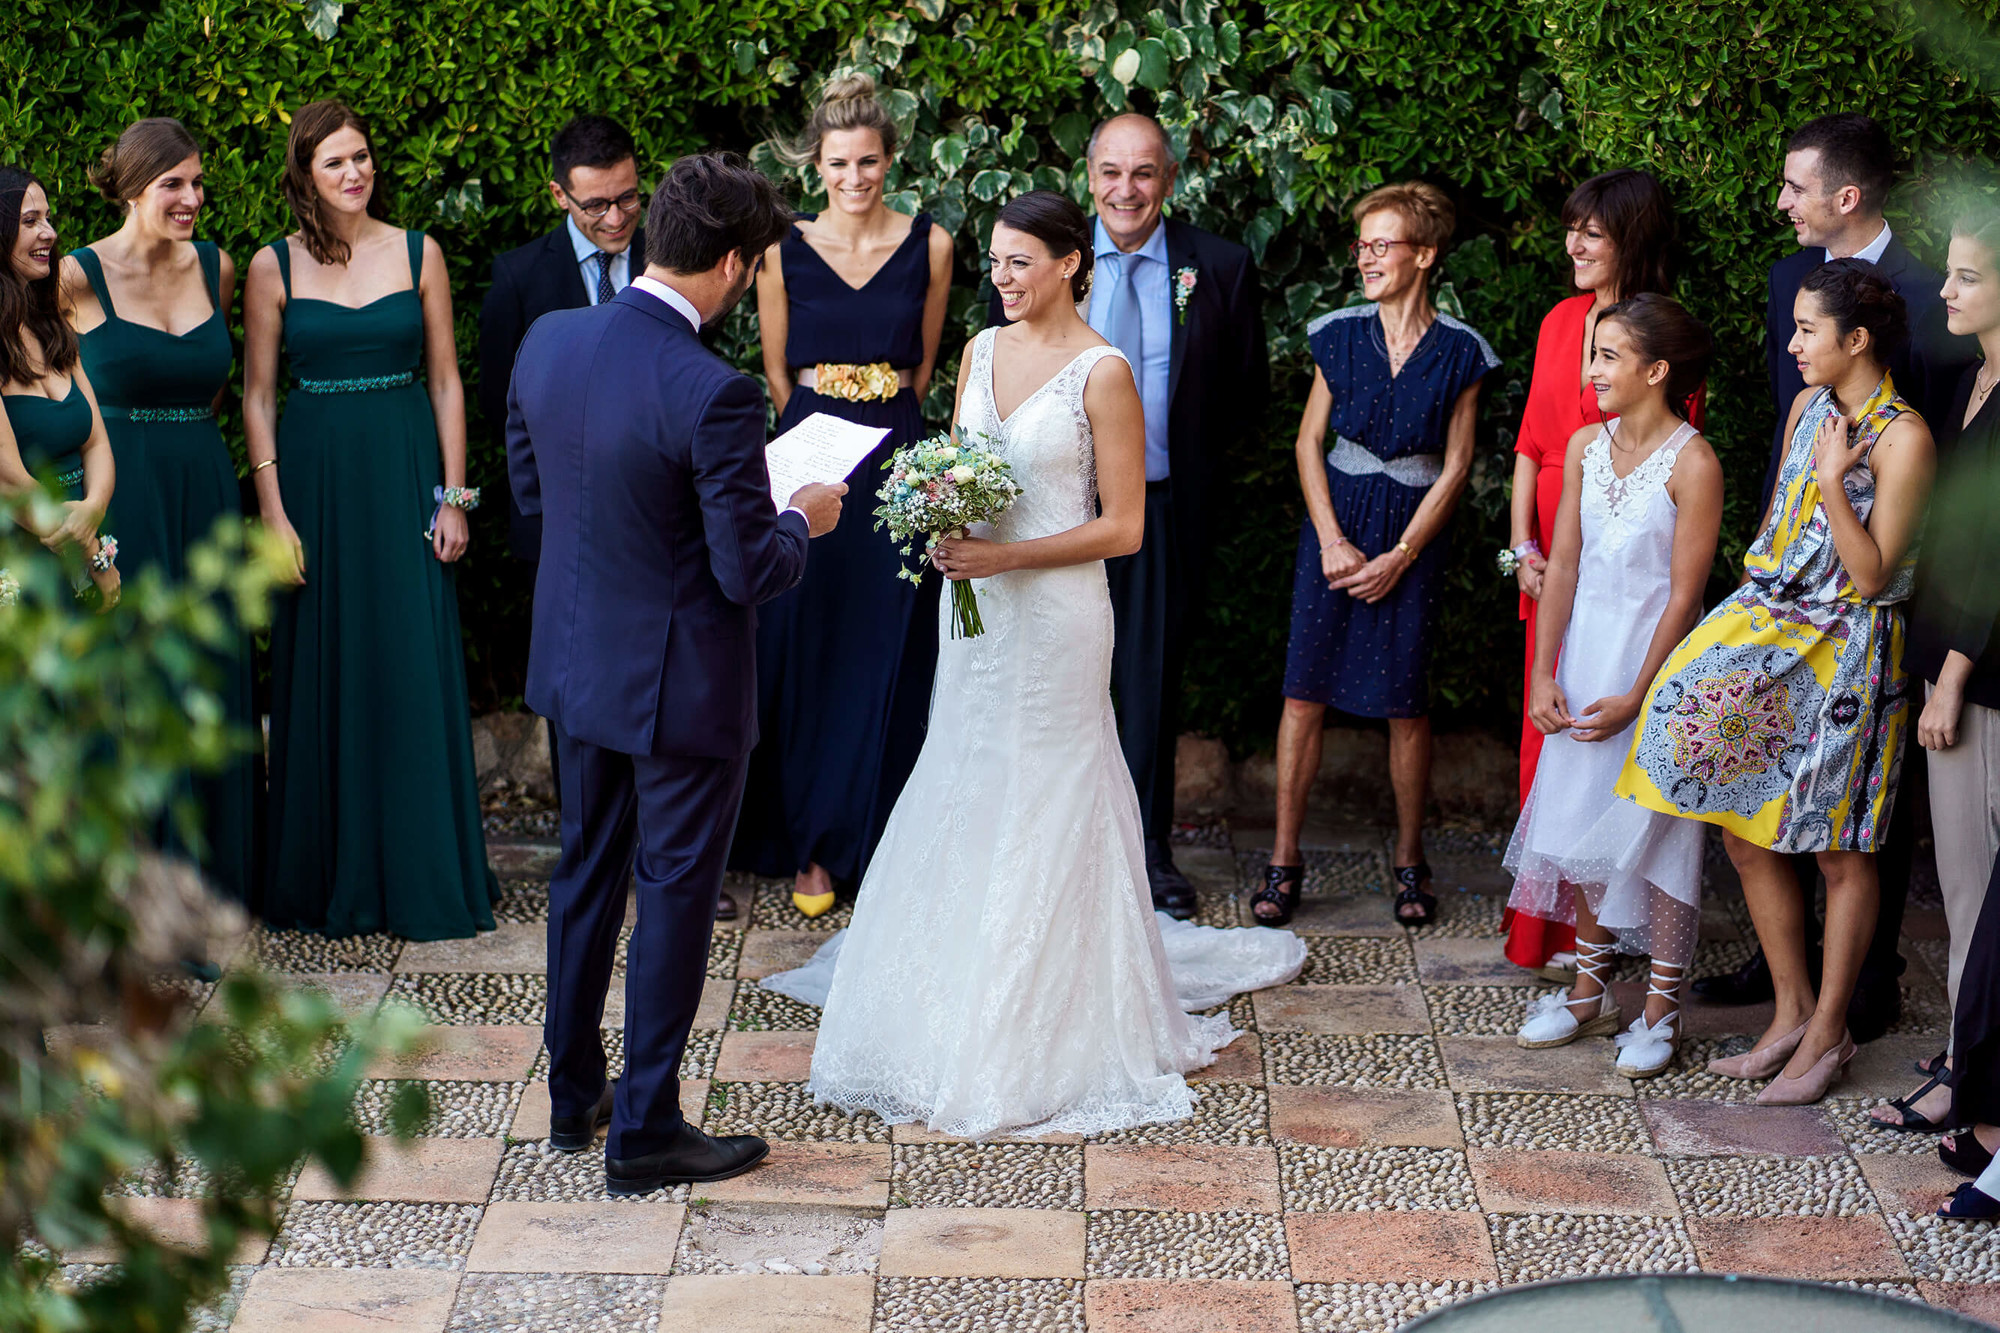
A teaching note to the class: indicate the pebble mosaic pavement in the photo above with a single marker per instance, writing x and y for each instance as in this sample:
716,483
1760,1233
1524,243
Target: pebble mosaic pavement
1374,1146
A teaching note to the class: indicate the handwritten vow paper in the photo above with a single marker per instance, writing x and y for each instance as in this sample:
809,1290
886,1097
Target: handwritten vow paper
821,448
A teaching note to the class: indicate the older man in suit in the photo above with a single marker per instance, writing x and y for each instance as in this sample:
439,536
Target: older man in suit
1186,308
1838,170
643,452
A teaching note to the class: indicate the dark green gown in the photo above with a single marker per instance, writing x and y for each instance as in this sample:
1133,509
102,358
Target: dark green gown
51,433
374,814
176,482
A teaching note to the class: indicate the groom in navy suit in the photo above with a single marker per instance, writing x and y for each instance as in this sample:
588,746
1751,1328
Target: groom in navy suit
643,453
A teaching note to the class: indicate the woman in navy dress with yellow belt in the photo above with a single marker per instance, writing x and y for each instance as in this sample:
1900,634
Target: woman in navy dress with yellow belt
851,305
1396,383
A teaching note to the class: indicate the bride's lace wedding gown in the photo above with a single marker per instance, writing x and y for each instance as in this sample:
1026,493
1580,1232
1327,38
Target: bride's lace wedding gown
1005,970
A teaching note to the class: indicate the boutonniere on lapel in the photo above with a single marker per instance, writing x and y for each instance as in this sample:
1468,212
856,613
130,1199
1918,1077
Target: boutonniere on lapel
1184,281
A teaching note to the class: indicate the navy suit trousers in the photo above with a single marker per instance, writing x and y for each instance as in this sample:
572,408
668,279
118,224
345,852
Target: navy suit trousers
674,815
1149,630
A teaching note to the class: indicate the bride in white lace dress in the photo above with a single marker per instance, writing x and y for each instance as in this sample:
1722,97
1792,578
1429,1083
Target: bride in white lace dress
1005,970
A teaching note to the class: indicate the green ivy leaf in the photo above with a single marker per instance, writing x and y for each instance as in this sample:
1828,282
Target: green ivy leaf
746,57
1551,108
1177,44
1154,66
1126,66
987,185
930,9
1257,113
949,153
1072,132
1228,42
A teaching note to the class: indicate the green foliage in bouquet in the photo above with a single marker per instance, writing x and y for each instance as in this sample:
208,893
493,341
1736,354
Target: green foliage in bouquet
1285,112
110,1083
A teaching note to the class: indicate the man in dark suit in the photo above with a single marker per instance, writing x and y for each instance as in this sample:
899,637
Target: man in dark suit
643,453
1838,170
1186,308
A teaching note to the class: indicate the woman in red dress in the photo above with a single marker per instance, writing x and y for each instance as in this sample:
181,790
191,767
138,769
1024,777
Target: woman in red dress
1620,226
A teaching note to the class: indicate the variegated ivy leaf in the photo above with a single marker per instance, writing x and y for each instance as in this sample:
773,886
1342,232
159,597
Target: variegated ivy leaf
461,200
323,18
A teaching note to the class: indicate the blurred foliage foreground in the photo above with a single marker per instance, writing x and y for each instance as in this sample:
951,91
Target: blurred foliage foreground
116,1078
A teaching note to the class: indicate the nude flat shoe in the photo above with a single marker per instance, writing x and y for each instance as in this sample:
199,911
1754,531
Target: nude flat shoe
1760,1064
1812,1085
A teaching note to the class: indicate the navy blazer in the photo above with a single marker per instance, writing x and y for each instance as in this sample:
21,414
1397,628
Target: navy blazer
1926,371
643,452
529,282
1218,378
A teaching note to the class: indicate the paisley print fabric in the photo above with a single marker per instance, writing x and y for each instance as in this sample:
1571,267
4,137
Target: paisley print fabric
1781,717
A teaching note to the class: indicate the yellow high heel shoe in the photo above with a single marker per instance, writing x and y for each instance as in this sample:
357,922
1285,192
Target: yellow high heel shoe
812,904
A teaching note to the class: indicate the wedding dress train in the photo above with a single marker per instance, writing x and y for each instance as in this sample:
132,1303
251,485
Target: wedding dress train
1005,970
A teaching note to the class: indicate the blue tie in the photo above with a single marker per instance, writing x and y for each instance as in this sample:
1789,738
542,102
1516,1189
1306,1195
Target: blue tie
1124,322
604,292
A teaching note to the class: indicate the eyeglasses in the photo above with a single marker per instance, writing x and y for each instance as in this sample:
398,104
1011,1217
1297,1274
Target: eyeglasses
627,202
1377,248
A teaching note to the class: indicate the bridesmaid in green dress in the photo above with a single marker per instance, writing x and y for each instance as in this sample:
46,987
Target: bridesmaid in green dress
151,305
49,427
374,809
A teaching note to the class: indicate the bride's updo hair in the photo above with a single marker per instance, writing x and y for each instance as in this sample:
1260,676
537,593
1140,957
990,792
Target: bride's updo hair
845,104
1056,221
1662,330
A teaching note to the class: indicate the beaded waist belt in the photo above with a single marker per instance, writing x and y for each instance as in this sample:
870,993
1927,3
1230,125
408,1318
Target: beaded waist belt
1409,470
115,413
876,382
367,384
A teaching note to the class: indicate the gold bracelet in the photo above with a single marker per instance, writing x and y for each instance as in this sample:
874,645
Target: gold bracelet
1404,547
269,462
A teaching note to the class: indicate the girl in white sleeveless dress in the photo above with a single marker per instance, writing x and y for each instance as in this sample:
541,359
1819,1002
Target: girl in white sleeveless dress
1634,540
1005,970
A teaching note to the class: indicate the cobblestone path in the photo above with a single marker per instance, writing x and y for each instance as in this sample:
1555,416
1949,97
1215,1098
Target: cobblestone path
1374,1146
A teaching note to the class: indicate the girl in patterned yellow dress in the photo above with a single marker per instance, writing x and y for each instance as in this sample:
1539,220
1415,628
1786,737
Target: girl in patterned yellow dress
1781,717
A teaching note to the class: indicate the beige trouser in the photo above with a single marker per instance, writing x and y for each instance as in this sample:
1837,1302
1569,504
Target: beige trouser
1965,817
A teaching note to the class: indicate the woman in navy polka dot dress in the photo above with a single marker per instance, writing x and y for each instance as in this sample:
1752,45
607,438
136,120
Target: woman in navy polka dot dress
1396,384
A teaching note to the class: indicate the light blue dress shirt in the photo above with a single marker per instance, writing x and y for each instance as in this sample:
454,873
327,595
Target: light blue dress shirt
1156,315
586,262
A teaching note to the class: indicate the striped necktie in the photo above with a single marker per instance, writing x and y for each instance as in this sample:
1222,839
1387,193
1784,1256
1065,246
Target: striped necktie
604,292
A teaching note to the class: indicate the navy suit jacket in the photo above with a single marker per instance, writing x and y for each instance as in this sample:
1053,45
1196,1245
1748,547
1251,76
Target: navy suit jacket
1926,371
643,453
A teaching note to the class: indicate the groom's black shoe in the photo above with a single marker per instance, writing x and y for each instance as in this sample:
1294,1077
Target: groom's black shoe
574,1133
1172,891
693,1156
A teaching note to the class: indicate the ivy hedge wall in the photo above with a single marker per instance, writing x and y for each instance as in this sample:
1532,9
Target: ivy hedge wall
1284,113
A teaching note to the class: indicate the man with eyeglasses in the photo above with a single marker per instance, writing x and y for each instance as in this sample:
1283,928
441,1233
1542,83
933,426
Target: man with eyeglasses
594,180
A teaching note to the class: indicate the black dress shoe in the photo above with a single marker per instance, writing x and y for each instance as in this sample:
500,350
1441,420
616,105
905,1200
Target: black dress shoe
725,907
693,1156
574,1133
1748,984
1173,892
1873,1010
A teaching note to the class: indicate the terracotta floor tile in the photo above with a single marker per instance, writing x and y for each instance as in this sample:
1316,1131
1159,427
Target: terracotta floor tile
1826,1249
1352,914
346,1300
1684,1127
1978,1300
1342,1010
413,1171
1468,962
765,1057
531,1117
1364,1118
1148,1305
1390,1247
355,993
712,1014
982,1242
1182,1178
852,1175
768,951
1590,1184
915,1133
613,1236
754,1303
1882,1067
512,946
1241,1061
500,1053
174,1222
1497,1064
1909,1182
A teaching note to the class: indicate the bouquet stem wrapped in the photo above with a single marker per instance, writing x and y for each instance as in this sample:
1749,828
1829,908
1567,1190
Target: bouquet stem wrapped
938,488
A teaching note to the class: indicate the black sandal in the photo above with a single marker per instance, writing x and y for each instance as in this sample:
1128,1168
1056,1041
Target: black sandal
1934,1065
1965,1154
1282,886
1910,1121
1413,894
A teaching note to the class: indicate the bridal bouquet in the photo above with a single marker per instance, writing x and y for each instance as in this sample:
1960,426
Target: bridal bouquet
938,488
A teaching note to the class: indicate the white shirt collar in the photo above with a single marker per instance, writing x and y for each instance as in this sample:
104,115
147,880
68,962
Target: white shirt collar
655,288
1154,249
1872,252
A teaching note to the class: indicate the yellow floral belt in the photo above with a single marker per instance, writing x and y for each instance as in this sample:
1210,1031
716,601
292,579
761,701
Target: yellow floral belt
876,382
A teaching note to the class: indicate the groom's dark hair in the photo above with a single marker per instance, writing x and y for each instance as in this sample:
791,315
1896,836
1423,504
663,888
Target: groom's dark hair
708,205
